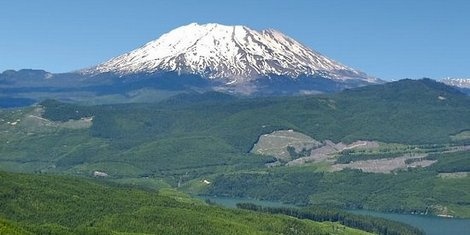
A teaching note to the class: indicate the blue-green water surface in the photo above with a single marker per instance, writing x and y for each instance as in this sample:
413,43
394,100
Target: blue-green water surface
431,225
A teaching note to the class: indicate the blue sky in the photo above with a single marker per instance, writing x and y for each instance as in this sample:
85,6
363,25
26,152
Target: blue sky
387,39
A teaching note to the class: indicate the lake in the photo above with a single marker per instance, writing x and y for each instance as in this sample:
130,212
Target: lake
431,225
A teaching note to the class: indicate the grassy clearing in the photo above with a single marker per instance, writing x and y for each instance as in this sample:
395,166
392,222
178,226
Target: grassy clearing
464,135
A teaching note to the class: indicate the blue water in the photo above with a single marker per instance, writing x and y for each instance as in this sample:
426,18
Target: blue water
232,202
431,225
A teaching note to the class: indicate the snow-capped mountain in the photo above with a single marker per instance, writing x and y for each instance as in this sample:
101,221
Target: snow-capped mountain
233,53
457,82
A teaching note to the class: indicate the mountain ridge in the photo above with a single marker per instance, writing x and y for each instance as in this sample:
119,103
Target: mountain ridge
462,84
457,82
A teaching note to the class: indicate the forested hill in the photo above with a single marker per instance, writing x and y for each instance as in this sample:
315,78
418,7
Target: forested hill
406,111
37,204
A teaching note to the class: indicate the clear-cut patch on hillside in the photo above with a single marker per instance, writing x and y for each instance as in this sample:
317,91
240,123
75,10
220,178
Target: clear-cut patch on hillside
387,165
32,121
294,148
454,175
464,135
291,148
283,144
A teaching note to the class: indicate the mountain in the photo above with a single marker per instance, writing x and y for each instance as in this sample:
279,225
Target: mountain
463,84
457,82
192,58
235,54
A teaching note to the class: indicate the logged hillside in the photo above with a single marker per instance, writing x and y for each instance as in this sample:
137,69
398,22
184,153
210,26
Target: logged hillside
213,131
64,205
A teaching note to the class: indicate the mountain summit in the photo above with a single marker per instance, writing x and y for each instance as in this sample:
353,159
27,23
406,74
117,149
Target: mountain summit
233,53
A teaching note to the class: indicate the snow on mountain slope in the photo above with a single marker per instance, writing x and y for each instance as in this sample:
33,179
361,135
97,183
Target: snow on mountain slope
457,82
234,53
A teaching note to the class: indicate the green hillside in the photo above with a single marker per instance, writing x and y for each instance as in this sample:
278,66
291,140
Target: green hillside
7,227
65,205
201,143
420,191
408,111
